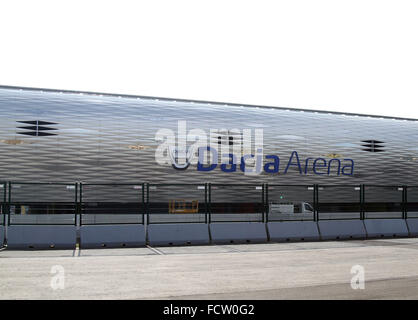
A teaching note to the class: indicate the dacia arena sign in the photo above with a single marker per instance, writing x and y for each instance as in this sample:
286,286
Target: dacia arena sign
319,166
237,150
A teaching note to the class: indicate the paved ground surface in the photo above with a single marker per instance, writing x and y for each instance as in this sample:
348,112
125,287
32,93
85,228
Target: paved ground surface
315,270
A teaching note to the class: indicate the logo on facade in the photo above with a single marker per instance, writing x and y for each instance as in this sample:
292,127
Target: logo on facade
175,152
232,150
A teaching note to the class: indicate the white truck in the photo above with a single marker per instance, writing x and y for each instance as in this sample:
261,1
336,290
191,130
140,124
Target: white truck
290,208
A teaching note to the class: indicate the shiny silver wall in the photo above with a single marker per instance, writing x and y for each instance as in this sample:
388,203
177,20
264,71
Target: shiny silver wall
101,138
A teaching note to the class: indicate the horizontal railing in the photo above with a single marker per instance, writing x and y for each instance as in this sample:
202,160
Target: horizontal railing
80,203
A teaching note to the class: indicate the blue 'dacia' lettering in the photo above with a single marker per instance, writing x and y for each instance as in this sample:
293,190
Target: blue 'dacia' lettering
318,166
232,164
272,167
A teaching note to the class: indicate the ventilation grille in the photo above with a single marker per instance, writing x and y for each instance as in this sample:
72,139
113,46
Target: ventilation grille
226,142
37,128
373,146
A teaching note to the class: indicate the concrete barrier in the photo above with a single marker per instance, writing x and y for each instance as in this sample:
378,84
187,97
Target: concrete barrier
293,230
41,236
341,229
412,226
112,236
238,232
178,234
377,228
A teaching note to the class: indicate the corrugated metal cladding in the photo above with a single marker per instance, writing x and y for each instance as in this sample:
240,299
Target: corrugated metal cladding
67,137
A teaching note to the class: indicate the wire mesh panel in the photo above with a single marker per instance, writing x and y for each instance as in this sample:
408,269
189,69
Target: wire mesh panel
412,204
177,203
384,202
42,203
112,204
338,202
290,203
236,203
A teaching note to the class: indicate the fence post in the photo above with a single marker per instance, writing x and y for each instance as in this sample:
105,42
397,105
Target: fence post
266,195
405,202
143,203
76,204
9,200
263,206
147,204
80,203
4,205
317,202
206,203
362,202
314,201
315,196
210,202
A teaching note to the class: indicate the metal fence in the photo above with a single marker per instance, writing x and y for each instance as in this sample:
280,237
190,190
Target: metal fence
339,202
105,203
236,203
35,203
290,203
411,200
384,202
177,203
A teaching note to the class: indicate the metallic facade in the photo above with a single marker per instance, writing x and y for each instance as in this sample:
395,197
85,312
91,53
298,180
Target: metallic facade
66,137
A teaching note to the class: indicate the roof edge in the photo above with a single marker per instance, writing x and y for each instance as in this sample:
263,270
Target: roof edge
199,101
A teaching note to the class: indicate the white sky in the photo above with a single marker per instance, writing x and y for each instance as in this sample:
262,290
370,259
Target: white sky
352,56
